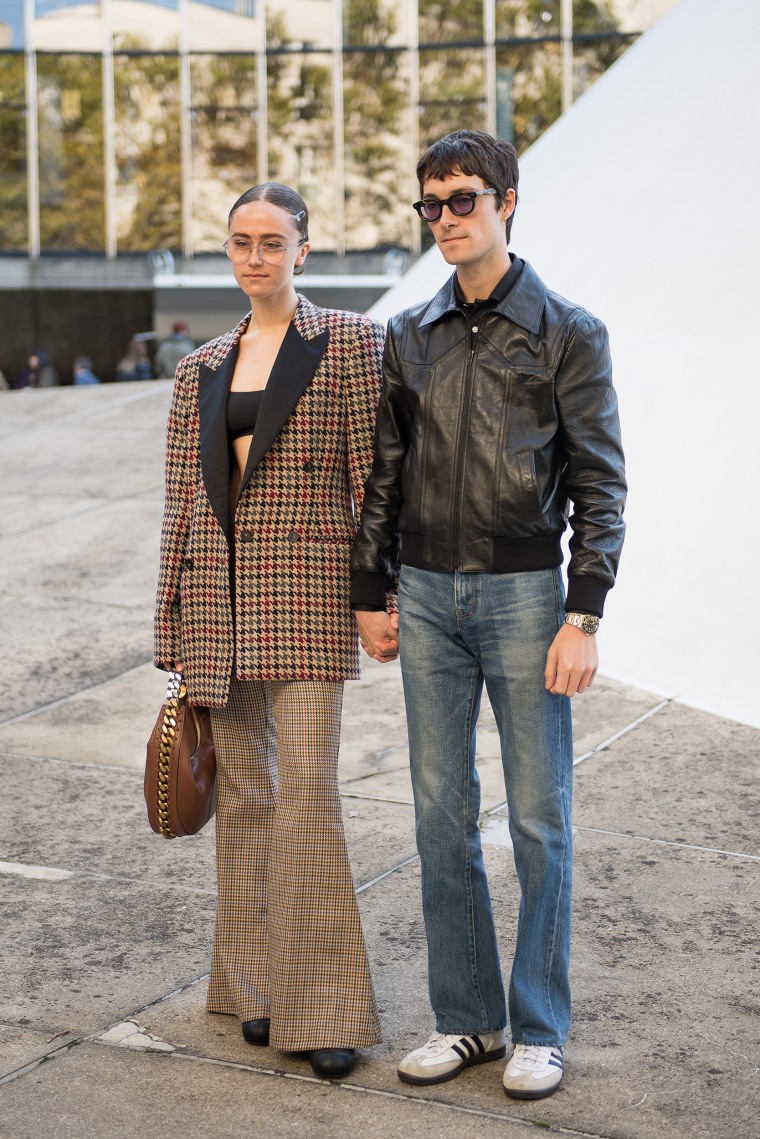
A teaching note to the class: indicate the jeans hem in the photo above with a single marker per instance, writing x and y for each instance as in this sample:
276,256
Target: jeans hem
470,1031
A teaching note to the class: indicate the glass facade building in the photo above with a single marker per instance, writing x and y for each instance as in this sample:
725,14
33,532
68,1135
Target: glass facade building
132,125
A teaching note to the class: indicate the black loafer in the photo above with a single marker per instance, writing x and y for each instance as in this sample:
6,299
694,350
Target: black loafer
333,1063
256,1031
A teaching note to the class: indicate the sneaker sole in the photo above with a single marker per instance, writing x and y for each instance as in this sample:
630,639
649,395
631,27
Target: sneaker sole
486,1058
539,1093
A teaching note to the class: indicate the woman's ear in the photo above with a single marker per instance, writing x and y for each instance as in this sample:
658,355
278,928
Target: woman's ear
303,253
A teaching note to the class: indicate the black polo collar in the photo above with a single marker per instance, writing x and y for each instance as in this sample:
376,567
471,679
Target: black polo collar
498,294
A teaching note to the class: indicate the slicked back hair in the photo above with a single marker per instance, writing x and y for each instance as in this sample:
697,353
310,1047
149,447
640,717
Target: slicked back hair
476,153
282,196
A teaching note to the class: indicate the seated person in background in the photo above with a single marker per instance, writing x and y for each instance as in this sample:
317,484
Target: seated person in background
173,349
38,373
135,364
83,373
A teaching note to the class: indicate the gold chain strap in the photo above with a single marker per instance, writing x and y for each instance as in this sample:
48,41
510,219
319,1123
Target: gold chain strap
175,690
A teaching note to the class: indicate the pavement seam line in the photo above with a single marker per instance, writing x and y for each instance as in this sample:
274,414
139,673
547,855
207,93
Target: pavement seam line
24,869
65,699
99,504
88,412
138,774
670,842
196,1058
599,747
92,1037
374,798
25,1069
386,874
624,731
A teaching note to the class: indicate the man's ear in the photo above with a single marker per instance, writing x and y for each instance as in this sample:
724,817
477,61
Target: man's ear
510,201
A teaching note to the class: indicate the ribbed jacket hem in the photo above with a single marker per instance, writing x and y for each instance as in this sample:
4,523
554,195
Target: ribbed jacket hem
508,555
586,594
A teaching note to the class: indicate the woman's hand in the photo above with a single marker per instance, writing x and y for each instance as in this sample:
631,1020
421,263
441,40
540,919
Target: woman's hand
378,634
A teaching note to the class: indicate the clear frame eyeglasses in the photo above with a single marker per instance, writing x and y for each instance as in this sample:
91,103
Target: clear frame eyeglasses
462,203
239,249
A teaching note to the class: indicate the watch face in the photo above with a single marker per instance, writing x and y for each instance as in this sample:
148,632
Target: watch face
590,624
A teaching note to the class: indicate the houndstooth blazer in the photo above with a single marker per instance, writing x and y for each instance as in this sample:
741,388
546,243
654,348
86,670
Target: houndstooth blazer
286,544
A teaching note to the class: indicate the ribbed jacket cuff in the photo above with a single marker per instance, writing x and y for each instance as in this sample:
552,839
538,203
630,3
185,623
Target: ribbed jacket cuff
368,590
586,595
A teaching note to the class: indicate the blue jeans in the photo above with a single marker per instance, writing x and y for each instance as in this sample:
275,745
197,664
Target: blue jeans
457,630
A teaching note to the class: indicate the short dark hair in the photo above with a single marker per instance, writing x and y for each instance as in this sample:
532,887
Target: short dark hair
477,153
282,196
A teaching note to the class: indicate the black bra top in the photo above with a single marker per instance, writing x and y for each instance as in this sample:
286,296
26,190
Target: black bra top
242,413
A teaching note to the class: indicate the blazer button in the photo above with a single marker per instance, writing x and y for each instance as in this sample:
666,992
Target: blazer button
308,466
294,536
188,563
246,536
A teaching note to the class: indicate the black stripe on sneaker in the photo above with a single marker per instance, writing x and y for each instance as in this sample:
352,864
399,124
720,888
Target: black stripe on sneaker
459,1051
465,1041
480,1045
556,1061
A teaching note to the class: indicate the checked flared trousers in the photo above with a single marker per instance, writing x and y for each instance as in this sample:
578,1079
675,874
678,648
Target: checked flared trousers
288,943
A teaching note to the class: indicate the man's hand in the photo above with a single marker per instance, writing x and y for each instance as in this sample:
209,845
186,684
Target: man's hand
571,662
378,633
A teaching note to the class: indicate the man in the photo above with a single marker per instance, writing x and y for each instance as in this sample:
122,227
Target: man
173,349
497,412
83,373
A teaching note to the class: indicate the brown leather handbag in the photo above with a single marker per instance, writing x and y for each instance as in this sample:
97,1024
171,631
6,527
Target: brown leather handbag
180,770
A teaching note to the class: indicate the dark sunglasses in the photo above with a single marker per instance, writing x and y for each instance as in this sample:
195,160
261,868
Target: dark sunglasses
462,203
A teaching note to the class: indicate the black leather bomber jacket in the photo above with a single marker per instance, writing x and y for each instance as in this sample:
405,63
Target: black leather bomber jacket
486,433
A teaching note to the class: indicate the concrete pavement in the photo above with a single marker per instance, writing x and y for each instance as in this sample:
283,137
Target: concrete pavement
106,927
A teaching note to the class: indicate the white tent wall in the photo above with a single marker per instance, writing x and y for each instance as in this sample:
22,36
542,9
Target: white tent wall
642,205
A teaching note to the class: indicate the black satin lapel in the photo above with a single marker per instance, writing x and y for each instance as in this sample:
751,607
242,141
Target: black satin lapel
291,374
213,389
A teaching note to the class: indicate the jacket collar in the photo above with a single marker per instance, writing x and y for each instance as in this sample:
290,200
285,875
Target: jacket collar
298,359
523,304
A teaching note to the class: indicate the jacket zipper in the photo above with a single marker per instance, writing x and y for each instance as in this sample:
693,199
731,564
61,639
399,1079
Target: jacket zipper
471,350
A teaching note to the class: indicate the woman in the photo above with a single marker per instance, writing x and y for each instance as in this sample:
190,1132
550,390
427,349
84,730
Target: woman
135,363
269,445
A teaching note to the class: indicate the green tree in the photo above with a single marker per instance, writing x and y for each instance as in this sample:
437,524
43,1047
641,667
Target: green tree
375,97
13,228
149,177
452,79
224,139
72,194
299,104
533,70
457,21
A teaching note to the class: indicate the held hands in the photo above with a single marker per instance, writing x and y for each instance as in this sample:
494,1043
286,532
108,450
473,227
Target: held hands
571,662
378,633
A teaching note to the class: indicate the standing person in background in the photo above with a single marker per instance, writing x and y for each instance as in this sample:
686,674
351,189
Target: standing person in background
269,446
497,413
135,363
173,349
83,373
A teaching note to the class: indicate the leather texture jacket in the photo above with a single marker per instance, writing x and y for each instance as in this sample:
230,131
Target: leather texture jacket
487,431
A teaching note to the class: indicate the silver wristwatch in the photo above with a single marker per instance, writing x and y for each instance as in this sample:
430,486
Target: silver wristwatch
586,622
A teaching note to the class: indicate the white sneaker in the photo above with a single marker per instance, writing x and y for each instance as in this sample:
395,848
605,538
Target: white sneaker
533,1072
444,1057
